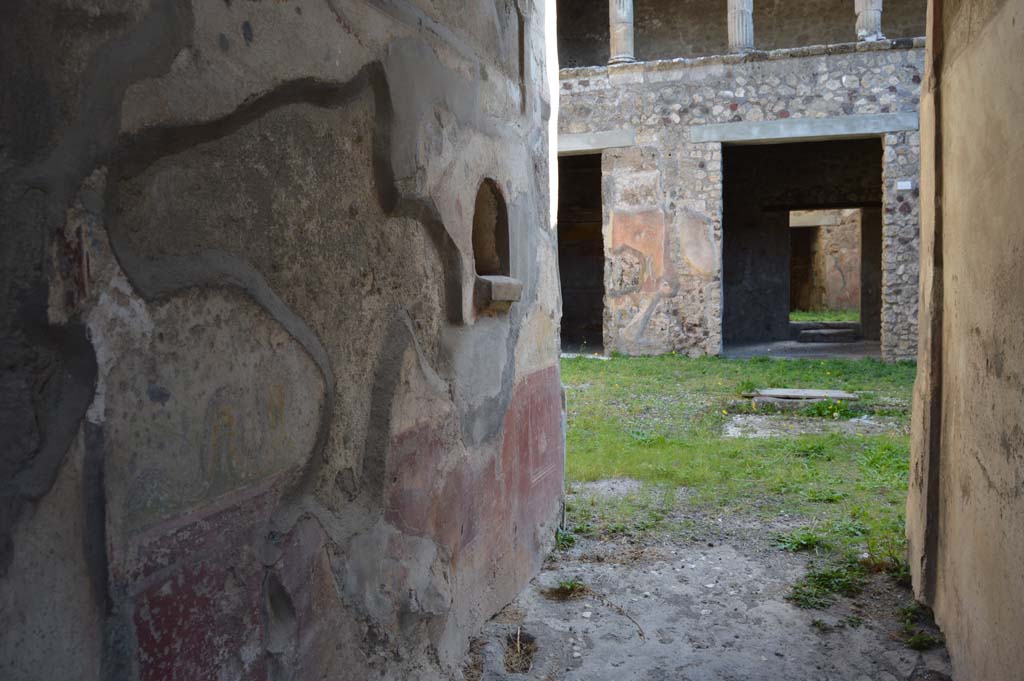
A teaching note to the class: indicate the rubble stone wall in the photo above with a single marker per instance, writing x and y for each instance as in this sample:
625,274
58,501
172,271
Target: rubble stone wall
663,198
901,238
255,424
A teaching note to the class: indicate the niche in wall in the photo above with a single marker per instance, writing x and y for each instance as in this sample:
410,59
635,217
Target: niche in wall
494,289
490,231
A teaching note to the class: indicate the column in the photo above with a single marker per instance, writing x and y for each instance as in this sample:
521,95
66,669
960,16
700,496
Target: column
741,25
620,16
869,19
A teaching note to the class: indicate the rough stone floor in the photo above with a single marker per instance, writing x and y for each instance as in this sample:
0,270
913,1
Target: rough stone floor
710,607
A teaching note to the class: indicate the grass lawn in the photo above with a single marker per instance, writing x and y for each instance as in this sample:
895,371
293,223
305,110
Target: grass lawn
824,316
659,420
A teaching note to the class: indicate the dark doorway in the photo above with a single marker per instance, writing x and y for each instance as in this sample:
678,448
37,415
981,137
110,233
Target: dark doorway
581,252
772,263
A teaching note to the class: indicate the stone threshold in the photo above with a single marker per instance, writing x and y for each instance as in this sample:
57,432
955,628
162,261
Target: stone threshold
741,58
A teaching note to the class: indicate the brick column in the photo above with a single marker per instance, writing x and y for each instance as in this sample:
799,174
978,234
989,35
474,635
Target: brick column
741,25
869,19
620,16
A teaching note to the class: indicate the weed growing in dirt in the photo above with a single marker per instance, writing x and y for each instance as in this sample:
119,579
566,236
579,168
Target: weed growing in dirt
829,409
923,640
564,540
914,614
911,613
520,648
820,586
853,621
567,590
804,539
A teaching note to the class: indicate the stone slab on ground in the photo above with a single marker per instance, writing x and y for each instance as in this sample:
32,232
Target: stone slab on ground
805,394
827,336
810,326
781,404
585,355
796,328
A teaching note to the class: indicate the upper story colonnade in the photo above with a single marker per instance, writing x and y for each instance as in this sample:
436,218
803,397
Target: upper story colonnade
740,18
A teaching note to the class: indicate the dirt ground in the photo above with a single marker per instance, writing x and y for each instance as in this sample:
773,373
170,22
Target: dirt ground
708,606
777,425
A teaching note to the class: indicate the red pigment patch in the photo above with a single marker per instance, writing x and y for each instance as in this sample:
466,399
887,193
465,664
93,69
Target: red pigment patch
494,500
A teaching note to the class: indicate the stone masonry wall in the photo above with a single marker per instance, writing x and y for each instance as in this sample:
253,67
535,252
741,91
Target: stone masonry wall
663,198
901,220
256,425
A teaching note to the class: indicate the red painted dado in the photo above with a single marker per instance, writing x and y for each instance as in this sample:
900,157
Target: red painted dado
201,619
196,585
196,590
500,499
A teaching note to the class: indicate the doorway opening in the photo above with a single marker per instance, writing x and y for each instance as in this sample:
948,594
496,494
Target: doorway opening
802,246
581,253
825,264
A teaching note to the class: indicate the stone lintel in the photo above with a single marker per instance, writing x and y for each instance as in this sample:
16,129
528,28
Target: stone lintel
577,144
813,218
804,129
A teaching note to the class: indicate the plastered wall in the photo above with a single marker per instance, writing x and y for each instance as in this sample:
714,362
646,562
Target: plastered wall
964,513
255,425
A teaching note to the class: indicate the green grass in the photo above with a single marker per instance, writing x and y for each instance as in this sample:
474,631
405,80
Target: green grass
824,316
629,515
659,420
